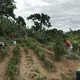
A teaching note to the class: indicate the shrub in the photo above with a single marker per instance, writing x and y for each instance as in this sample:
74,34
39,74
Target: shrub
3,52
38,48
41,55
59,49
33,46
48,64
75,46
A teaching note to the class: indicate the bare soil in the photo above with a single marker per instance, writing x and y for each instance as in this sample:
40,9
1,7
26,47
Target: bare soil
22,65
65,66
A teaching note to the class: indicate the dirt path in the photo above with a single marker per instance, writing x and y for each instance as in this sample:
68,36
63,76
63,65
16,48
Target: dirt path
27,66
42,70
4,64
66,66
22,64
48,51
29,59
38,63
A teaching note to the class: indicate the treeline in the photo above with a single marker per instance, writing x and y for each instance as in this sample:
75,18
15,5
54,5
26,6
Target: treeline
40,30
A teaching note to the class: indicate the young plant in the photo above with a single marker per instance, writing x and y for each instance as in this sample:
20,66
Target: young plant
48,64
59,48
41,55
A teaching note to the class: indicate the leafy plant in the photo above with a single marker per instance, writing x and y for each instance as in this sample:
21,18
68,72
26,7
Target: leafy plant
3,52
59,48
48,64
41,55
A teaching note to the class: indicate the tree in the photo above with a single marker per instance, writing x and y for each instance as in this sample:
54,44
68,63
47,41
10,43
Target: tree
7,7
40,20
20,20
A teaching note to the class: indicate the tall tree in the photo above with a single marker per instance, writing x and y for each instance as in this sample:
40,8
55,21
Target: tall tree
20,20
40,20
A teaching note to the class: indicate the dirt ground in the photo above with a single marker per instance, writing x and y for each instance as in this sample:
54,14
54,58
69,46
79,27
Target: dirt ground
65,66
23,65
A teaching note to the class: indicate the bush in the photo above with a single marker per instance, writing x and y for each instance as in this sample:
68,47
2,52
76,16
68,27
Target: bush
2,39
33,46
75,46
59,49
48,64
41,55
38,48
3,52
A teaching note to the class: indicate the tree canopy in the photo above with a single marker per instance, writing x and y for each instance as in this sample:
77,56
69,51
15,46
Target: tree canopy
20,20
7,8
40,20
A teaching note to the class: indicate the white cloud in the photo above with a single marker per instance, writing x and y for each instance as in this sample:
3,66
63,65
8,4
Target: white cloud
64,14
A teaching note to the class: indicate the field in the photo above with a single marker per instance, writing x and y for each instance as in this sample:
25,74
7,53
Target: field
38,51
32,60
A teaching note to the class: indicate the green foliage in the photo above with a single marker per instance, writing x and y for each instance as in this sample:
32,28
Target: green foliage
76,46
42,18
18,40
41,55
2,39
33,43
48,65
20,20
3,49
8,26
59,48
74,37
43,78
64,77
12,65
40,52
3,52
38,78
50,45
53,33
7,7
38,31
38,48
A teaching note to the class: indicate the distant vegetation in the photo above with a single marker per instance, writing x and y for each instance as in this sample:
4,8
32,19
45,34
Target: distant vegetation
53,38
38,38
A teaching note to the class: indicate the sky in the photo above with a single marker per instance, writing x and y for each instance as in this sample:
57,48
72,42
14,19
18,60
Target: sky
64,14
